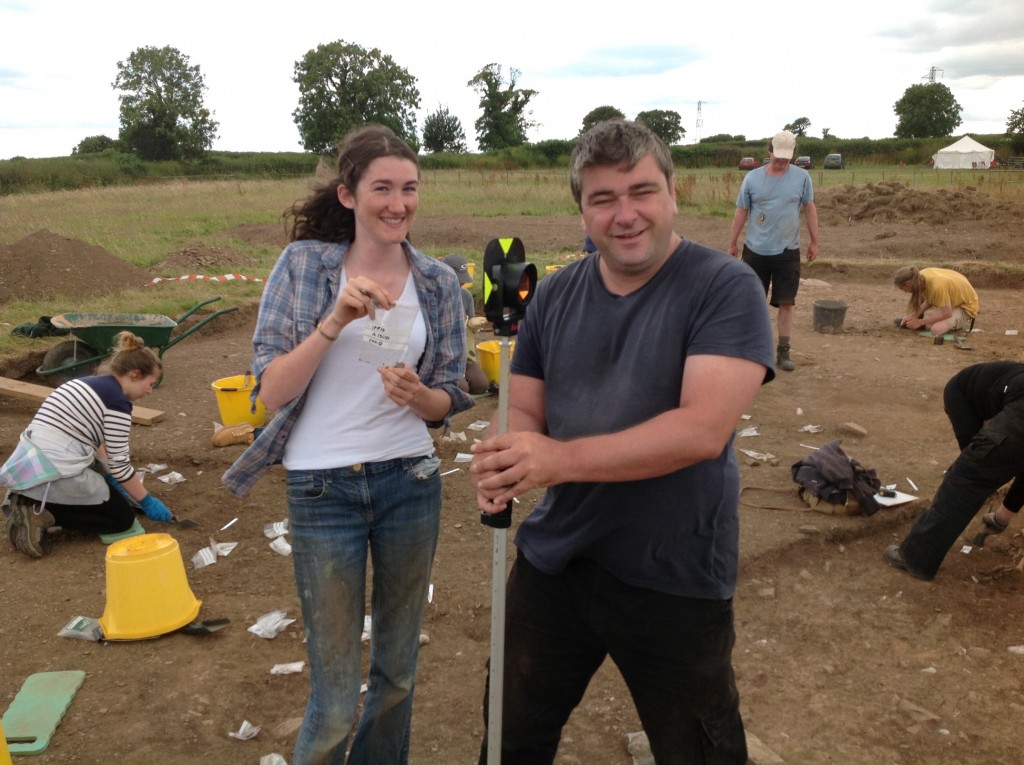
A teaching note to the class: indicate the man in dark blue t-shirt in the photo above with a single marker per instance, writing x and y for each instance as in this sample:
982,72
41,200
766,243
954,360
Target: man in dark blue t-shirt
632,368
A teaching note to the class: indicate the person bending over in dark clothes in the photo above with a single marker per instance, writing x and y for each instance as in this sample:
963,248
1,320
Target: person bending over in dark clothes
985,404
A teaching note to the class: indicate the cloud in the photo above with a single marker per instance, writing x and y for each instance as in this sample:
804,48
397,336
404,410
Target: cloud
990,61
963,24
576,61
628,61
10,77
976,46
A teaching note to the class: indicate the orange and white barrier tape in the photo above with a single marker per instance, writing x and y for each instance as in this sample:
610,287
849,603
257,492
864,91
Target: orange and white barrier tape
222,278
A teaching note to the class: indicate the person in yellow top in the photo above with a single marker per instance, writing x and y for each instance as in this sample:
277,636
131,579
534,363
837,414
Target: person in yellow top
940,300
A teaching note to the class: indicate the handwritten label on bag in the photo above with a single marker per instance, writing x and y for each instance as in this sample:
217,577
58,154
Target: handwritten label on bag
386,337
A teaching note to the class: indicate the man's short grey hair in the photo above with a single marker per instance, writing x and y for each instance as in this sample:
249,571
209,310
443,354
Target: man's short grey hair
614,142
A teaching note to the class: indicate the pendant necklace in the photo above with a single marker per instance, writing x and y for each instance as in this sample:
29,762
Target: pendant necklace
761,199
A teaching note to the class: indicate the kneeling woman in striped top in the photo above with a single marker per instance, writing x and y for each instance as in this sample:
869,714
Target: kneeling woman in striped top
79,440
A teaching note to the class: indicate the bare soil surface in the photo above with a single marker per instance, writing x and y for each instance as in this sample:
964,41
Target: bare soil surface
45,265
840,659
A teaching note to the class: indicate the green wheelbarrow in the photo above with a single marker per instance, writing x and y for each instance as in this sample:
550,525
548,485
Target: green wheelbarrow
94,335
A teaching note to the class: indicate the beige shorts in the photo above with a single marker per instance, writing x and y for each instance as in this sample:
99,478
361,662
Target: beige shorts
962,321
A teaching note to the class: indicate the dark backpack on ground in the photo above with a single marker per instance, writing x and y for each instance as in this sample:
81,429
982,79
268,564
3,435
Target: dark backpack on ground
829,475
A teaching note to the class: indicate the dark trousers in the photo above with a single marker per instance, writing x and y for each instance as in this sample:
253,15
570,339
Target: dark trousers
992,453
110,517
674,653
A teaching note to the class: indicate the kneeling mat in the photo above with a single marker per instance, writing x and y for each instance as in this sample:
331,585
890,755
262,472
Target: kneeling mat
132,531
37,709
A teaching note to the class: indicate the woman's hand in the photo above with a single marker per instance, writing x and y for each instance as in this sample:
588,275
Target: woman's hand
404,387
359,298
155,509
401,383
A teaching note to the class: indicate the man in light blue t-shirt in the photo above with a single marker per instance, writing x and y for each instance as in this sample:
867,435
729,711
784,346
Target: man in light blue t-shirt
772,197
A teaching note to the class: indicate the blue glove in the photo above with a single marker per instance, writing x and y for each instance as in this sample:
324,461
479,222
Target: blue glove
116,486
155,509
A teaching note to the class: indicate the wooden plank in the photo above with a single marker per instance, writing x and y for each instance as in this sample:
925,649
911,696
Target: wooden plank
38,393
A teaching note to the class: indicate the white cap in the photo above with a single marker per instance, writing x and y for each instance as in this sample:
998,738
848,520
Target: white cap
784,144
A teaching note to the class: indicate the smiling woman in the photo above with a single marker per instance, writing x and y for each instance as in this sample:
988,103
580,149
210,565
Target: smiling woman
384,202
351,307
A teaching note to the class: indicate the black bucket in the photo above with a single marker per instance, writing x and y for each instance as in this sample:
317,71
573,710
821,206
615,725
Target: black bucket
829,315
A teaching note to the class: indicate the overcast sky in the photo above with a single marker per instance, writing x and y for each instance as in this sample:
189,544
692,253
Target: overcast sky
739,67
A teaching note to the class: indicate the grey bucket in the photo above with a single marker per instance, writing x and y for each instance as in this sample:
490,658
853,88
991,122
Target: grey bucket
829,315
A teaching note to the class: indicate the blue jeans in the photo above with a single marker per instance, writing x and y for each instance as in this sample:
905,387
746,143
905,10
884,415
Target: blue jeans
674,653
392,511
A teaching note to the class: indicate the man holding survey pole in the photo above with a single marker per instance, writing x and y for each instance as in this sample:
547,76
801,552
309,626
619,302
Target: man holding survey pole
632,368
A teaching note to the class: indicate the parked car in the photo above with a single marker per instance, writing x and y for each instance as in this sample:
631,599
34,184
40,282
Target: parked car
749,163
833,162
805,162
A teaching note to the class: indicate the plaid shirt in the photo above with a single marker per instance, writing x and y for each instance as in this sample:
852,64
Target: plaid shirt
300,292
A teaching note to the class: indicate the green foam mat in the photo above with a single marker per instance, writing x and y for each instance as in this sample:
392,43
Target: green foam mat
133,531
37,709
926,333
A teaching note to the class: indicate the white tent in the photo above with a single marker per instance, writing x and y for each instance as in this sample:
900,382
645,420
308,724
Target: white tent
965,154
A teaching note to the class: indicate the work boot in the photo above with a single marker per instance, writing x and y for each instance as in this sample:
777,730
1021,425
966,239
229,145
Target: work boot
782,360
27,525
234,434
894,557
993,524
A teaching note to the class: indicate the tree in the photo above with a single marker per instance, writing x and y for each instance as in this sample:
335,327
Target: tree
94,144
600,114
927,111
667,125
724,138
162,111
799,126
1015,129
442,131
343,85
826,133
504,119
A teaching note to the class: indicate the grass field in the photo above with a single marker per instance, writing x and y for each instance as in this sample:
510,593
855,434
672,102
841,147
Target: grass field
142,224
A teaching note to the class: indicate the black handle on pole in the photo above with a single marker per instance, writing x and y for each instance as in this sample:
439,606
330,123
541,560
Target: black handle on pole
500,520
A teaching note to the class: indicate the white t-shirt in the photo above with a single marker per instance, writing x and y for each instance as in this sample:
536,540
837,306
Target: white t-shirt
347,418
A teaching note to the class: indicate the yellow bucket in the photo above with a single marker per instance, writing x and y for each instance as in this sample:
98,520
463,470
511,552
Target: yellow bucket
233,401
5,753
489,354
147,590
